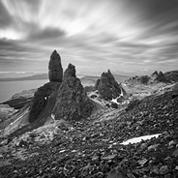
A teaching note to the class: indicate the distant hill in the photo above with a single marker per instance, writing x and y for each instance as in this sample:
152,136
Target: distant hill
86,80
33,77
90,80
155,77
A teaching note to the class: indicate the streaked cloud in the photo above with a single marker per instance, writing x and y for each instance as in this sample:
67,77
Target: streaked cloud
123,35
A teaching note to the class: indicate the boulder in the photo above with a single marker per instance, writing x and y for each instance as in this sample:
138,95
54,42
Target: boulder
55,72
72,102
108,87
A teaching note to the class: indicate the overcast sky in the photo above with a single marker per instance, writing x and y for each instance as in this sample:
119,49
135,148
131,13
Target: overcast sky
127,36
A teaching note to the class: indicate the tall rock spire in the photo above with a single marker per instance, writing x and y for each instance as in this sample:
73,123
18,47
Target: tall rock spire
55,72
72,103
43,93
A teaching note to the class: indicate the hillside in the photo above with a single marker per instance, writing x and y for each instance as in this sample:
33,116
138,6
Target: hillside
92,147
124,130
172,75
155,77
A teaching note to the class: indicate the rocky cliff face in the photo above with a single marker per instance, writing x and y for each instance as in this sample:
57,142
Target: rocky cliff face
97,147
41,96
72,102
108,87
55,68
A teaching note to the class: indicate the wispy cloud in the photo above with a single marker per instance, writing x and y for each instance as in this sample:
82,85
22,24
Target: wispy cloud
126,35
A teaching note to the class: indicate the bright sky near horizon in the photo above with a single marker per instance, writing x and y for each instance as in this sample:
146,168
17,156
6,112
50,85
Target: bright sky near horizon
127,36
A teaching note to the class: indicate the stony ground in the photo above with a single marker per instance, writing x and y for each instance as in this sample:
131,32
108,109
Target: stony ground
92,147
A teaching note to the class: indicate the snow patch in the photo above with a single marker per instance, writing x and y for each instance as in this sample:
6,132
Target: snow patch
139,139
122,93
53,116
115,100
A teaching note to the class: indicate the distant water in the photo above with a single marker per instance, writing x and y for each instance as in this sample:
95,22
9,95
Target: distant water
9,88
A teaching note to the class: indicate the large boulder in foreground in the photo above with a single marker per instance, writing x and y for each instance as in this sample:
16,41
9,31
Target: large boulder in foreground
108,87
72,102
55,72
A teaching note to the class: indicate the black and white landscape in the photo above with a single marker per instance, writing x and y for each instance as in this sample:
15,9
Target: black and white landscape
88,89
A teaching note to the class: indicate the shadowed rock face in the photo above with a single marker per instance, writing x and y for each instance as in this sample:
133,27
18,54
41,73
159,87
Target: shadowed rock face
159,77
70,72
108,87
155,74
55,68
41,98
72,102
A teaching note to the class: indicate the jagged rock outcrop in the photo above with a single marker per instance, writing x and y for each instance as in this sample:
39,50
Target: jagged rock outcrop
41,98
42,94
154,74
55,72
159,77
72,102
108,87
97,83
